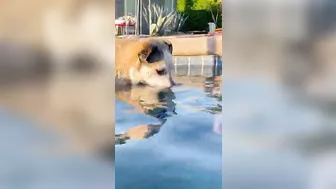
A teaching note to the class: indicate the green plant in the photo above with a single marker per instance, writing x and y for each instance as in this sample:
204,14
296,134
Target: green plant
181,5
214,8
200,14
160,20
177,22
201,4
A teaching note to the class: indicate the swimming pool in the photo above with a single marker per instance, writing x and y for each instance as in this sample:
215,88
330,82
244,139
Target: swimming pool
176,145
260,148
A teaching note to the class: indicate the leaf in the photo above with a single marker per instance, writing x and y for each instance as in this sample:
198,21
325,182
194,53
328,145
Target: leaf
153,29
160,21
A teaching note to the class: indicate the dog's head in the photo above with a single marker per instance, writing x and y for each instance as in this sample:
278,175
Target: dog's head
154,64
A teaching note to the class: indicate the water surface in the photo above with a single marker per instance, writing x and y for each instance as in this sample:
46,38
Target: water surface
184,152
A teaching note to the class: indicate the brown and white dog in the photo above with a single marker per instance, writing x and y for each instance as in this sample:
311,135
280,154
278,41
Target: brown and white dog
146,62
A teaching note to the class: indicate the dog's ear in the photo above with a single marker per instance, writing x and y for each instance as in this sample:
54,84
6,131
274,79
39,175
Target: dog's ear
170,46
145,52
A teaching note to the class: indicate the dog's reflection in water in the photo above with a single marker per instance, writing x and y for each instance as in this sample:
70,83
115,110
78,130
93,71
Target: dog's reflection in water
150,101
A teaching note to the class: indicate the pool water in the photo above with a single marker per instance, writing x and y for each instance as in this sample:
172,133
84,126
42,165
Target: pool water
176,145
261,146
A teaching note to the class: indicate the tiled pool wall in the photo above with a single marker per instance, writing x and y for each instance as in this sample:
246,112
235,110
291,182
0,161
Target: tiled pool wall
204,65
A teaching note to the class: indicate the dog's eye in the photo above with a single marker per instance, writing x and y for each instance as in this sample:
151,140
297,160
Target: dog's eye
161,72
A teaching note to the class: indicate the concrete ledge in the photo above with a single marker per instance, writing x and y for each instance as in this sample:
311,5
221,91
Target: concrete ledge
190,45
195,45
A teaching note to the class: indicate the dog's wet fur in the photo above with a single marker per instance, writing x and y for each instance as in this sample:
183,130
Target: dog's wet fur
147,62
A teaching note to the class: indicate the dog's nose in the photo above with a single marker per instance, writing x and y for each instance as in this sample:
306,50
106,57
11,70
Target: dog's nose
172,83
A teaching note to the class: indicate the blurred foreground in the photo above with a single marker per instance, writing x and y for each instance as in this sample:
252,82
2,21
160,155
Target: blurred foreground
56,94
279,126
58,131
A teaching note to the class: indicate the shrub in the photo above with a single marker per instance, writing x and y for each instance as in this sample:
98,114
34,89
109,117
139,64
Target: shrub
200,13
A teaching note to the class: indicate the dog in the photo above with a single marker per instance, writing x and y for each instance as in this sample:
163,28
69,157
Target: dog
147,62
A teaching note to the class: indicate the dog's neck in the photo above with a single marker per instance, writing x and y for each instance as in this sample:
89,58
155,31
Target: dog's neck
129,74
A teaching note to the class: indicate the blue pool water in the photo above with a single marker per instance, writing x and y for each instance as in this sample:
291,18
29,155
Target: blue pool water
260,147
185,153
265,136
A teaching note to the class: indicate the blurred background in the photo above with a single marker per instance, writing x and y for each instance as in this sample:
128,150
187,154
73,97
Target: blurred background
279,93
56,94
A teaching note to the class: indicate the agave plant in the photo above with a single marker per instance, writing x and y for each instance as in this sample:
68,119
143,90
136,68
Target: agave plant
178,21
160,20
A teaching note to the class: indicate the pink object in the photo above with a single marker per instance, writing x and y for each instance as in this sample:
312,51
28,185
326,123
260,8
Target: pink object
211,34
123,24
